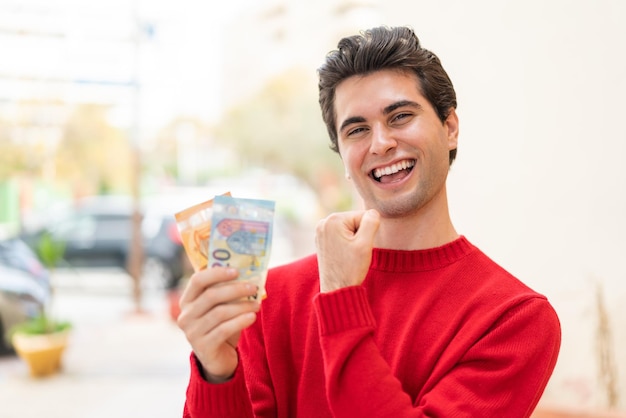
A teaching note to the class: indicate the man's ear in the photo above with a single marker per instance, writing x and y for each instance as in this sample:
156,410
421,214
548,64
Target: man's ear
452,125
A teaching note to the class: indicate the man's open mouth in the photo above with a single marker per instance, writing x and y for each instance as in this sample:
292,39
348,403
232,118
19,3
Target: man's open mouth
393,172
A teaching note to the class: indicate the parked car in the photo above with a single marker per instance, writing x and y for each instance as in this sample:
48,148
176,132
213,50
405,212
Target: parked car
24,286
165,261
97,232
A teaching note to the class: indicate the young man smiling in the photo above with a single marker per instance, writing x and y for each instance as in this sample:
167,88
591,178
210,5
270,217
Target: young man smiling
396,315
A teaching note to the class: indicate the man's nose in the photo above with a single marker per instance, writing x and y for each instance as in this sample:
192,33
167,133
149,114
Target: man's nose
382,140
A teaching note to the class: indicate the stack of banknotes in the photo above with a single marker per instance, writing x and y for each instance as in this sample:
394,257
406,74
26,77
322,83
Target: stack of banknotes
230,232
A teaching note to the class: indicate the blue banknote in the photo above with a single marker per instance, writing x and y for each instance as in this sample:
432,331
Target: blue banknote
241,237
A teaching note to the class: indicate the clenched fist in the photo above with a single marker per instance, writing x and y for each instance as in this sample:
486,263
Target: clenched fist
344,244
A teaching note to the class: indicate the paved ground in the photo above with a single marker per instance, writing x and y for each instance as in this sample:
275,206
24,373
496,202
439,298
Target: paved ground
119,363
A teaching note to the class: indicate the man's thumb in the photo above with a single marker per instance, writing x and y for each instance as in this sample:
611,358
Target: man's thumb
369,224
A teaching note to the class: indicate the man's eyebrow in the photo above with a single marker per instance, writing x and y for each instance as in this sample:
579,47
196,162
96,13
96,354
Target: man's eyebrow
402,103
350,121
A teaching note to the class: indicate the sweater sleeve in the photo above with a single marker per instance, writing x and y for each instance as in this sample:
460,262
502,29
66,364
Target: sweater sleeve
208,400
502,374
253,356
506,371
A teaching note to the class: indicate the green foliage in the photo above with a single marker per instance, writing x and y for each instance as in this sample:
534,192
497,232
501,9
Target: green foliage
281,128
40,325
93,155
49,250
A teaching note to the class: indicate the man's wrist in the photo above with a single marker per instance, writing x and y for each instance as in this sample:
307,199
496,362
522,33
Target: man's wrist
215,379
208,376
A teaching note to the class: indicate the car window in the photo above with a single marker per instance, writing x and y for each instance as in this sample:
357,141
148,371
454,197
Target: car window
80,227
113,227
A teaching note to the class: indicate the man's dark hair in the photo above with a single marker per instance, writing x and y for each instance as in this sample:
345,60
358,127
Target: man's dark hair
384,48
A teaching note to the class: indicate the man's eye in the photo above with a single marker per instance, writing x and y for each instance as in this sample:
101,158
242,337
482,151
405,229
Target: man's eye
356,131
401,117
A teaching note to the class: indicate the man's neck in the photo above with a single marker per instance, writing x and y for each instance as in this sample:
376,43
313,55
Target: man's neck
429,227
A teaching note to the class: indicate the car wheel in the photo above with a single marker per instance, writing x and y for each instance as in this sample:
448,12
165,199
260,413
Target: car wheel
156,274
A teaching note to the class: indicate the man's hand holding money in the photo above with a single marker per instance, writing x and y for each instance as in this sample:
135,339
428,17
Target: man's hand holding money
215,308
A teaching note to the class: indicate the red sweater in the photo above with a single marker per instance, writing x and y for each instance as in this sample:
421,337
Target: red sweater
443,332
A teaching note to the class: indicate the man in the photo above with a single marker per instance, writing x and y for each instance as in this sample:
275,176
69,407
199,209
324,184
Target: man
397,315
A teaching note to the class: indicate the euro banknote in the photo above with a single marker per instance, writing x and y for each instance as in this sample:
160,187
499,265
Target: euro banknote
194,226
241,237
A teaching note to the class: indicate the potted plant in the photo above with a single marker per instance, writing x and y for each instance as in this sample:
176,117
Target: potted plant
41,341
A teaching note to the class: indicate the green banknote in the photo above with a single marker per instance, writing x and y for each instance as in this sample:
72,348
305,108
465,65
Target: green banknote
241,237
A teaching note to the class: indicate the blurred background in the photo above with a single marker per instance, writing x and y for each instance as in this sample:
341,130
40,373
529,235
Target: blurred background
114,115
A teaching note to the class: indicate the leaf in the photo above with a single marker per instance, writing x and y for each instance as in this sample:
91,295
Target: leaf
49,250
39,325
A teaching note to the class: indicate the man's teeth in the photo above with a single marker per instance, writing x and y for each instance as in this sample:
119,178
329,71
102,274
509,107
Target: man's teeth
394,168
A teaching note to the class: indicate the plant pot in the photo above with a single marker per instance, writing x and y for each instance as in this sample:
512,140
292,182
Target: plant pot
41,352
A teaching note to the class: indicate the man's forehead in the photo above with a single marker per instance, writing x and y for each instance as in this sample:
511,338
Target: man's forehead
379,84
365,95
